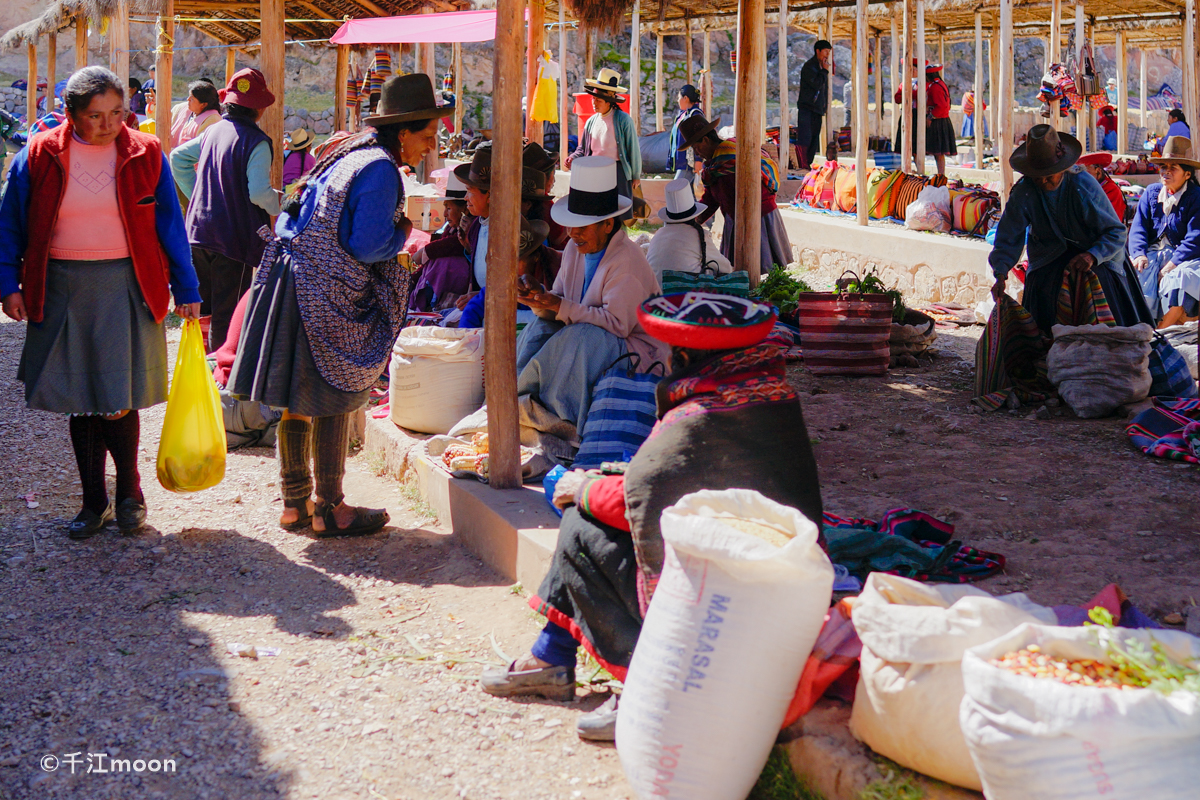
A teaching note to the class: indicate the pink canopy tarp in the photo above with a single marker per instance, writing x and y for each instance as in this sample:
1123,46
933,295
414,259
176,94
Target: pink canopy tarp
447,27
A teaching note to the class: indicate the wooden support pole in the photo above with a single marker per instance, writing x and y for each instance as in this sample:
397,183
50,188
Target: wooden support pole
852,81
1142,89
459,100
536,43
977,122
687,48
1055,57
747,217
231,63
906,93
942,49
271,58
164,65
879,85
707,98
894,71
1081,115
340,76
922,95
785,139
590,53
118,40
81,40
830,131
500,313
31,76
860,109
1122,95
658,84
52,68
1188,61
1004,117
562,83
993,75
635,68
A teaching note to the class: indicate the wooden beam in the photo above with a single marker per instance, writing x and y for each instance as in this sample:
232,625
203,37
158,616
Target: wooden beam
687,47
1122,95
340,75
830,131
81,40
1188,59
589,54
894,71
31,76
707,98
230,64
860,110
658,84
785,160
51,69
1004,117
747,217
500,313
271,59
635,68
1081,115
1142,89
164,74
922,95
563,108
536,43
879,85
906,95
993,73
375,10
977,122
459,106
118,39
1055,56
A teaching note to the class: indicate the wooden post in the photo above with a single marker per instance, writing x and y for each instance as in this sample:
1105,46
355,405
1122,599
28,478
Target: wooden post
81,40
340,75
1122,95
1142,89
271,58
894,71
562,84
1004,116
52,68
830,131
31,76
635,68
118,40
1081,115
747,215
500,313
231,64
687,48
707,98
879,85
658,84
459,100
536,44
428,67
164,74
922,96
785,138
977,122
1055,57
942,49
993,75
1188,61
906,97
860,109
854,87
590,53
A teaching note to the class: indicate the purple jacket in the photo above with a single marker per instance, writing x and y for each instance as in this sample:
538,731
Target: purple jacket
221,217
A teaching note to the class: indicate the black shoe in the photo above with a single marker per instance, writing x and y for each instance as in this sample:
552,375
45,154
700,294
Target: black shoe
89,523
131,515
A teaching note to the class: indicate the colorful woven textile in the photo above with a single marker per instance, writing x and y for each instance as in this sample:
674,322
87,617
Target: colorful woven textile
724,162
1171,429
1081,301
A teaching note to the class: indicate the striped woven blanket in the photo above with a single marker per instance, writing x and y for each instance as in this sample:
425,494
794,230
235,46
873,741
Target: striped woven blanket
1171,429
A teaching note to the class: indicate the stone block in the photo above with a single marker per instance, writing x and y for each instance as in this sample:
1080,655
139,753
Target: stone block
321,127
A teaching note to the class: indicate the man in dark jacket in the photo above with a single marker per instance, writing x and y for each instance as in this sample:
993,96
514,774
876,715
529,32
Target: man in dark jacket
814,96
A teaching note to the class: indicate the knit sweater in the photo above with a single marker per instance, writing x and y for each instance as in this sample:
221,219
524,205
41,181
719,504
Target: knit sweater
88,226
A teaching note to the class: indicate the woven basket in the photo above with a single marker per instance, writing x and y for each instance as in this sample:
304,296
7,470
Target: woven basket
845,334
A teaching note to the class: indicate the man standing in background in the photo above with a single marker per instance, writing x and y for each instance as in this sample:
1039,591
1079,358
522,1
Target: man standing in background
811,103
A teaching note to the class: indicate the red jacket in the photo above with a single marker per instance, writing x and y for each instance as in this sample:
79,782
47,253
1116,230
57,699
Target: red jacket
139,165
937,98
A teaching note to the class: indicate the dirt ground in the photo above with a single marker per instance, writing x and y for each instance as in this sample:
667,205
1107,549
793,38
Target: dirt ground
121,645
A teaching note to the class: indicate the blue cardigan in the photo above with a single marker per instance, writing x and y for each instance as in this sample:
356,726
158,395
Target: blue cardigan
1181,226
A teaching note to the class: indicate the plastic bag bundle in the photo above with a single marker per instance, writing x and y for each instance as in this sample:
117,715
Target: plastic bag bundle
191,450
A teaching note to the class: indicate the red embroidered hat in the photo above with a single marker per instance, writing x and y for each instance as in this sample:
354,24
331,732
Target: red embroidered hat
706,320
1096,159
247,88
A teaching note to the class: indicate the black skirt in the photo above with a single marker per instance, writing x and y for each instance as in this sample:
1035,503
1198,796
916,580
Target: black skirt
939,138
1120,285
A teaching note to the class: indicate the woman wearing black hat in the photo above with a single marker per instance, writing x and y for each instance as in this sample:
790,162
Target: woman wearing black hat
1065,222
677,159
329,300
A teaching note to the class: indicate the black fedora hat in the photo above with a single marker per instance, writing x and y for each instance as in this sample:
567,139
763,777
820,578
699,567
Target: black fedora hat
695,128
479,172
405,98
1044,152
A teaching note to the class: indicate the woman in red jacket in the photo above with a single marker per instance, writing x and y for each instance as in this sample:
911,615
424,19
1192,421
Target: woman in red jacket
939,130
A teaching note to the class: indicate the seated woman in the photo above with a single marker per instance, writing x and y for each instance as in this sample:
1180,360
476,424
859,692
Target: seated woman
445,272
1066,223
589,318
534,156
538,265
682,244
727,418
1164,240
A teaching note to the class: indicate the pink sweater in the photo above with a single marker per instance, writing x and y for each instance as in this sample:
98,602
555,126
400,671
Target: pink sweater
89,226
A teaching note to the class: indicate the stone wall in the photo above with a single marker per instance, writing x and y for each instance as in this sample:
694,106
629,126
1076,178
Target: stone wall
317,122
12,100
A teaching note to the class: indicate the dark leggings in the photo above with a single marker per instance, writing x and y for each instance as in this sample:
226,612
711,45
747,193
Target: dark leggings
323,440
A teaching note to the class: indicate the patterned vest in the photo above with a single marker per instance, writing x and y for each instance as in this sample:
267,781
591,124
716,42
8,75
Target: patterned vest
352,311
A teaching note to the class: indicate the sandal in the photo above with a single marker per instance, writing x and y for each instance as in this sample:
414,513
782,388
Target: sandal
366,520
304,520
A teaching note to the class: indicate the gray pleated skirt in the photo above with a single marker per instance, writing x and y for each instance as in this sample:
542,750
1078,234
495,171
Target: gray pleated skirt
274,362
97,349
774,245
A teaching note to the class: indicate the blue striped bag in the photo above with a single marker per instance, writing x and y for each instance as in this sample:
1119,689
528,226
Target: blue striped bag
622,413
1169,373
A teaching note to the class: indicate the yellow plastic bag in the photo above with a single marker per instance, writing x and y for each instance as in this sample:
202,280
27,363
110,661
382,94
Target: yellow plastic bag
191,451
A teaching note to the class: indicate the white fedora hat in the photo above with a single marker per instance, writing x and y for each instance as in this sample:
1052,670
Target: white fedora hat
593,195
455,188
681,202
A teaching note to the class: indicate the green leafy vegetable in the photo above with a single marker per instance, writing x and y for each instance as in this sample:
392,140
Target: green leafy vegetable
780,289
870,283
1149,668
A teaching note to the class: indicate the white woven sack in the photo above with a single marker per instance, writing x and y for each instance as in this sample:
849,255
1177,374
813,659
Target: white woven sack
1098,368
732,622
910,679
436,377
1040,739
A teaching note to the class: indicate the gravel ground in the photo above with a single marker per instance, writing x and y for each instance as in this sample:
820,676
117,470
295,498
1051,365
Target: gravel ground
121,645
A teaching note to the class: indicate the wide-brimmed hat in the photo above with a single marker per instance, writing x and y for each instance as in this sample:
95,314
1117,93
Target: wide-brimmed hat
1044,152
247,88
535,156
533,236
931,68
404,98
593,195
300,139
695,128
681,202
479,172
1177,150
1095,160
533,184
455,188
607,83
706,320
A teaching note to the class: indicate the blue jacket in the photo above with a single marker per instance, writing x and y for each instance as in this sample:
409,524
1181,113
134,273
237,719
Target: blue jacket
1181,226
168,222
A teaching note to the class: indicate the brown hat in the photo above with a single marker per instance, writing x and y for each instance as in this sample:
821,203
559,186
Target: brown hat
1177,150
695,128
247,88
535,156
533,184
533,236
479,172
404,98
1044,152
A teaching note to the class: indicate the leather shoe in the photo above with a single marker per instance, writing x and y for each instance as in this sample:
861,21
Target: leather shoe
553,683
599,725
88,523
131,515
